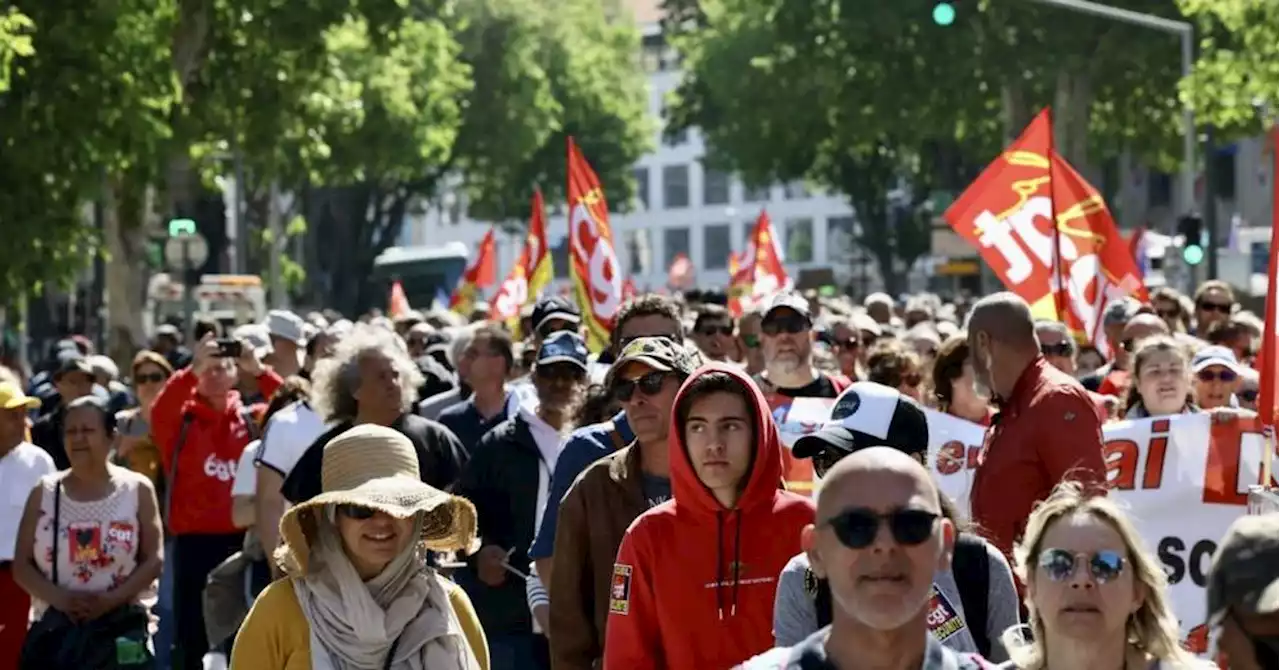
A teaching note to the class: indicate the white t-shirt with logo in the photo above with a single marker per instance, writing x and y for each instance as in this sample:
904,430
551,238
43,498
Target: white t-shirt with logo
287,435
20,471
246,482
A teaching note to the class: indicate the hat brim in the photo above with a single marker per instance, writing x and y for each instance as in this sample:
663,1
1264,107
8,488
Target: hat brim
569,317
449,524
648,361
829,438
561,359
1215,361
25,402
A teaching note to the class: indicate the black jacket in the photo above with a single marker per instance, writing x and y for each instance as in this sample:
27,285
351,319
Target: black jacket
46,433
440,457
501,480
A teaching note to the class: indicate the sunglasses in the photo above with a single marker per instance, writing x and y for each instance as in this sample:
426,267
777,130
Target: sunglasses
153,378
824,460
1058,349
1169,313
1221,308
650,385
847,344
751,341
1059,564
1248,395
1127,345
785,324
356,512
1209,376
857,528
708,331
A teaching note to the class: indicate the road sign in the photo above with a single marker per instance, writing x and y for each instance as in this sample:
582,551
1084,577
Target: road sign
186,252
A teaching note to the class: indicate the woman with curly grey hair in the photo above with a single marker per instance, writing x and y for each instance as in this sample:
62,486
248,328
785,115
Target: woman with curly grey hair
370,379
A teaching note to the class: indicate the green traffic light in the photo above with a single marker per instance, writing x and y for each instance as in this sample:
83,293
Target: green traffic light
1192,254
181,227
944,14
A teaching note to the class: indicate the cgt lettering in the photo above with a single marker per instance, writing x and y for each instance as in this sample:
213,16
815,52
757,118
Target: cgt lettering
955,456
219,469
1171,551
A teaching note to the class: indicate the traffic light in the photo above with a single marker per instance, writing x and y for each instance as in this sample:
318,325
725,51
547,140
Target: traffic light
944,13
181,227
1191,228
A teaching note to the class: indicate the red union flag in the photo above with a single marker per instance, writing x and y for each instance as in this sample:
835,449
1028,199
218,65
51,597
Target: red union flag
758,273
397,302
530,275
1269,353
480,274
1047,233
593,264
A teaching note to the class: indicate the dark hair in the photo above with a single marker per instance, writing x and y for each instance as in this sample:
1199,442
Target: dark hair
203,327
649,304
889,362
293,389
1142,353
948,366
596,408
1215,284
713,382
98,405
499,343
1226,332
712,313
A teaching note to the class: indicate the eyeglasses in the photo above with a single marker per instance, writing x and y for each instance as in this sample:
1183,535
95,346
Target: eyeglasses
1248,395
857,528
1059,564
650,385
1220,307
153,378
751,341
790,324
824,460
847,343
1169,313
356,512
1127,345
1209,376
1057,349
708,331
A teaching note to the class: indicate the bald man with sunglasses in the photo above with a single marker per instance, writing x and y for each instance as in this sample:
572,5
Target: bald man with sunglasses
609,495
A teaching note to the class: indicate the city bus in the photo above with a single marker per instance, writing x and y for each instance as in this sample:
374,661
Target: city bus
424,272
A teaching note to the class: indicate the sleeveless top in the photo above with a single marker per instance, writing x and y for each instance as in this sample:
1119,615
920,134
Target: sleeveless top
97,540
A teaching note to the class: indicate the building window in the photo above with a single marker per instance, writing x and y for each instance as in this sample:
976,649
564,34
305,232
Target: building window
641,175
636,251
675,242
755,194
795,190
675,186
717,244
799,240
560,258
715,187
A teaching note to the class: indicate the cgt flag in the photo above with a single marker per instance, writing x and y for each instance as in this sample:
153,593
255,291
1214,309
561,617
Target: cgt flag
1047,233
480,274
531,274
759,272
1269,353
593,264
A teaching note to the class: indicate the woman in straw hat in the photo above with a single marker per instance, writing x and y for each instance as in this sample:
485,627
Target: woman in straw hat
359,593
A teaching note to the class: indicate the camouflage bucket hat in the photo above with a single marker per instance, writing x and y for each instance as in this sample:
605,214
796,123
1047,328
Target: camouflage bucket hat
660,353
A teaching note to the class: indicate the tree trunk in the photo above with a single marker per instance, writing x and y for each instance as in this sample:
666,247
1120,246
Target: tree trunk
1072,101
1016,111
125,215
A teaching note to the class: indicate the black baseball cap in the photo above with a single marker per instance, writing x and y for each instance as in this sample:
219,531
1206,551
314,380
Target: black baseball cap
555,307
868,414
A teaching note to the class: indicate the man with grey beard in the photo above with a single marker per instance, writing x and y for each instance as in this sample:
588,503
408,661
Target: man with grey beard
787,329
878,540
508,479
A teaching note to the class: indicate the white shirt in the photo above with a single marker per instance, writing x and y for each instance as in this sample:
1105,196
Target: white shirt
20,471
287,436
246,482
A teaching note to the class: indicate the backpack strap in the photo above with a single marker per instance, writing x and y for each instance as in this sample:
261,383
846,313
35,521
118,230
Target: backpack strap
971,567
172,474
615,436
250,422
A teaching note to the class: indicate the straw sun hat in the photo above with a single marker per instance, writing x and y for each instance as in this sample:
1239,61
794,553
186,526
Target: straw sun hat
377,467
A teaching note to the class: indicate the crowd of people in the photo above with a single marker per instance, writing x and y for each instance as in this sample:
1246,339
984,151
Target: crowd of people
433,491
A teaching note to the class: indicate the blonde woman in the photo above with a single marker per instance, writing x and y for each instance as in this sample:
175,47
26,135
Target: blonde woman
358,592
1096,597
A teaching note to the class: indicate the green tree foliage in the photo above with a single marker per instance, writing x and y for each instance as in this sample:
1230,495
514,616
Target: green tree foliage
1236,75
15,41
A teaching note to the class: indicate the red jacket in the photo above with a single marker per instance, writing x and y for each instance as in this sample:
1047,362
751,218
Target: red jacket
200,496
694,583
1048,430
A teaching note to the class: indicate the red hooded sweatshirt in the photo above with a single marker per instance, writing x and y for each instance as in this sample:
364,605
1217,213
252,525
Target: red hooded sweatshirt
694,582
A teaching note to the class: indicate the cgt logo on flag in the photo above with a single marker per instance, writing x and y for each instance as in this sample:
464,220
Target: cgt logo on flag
620,589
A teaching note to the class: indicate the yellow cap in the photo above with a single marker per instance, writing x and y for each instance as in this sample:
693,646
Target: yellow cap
12,397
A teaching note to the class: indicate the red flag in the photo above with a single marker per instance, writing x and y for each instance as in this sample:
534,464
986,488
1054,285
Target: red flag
1269,353
397,302
680,274
629,290
479,274
593,264
759,273
531,274
1047,233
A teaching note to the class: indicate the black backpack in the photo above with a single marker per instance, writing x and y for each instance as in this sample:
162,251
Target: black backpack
970,565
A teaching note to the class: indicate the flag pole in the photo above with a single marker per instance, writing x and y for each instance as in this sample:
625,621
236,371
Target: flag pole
1056,284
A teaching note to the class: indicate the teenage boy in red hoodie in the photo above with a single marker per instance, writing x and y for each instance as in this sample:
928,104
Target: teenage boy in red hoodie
696,577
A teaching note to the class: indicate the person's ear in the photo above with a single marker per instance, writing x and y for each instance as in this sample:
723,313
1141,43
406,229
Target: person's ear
948,544
809,544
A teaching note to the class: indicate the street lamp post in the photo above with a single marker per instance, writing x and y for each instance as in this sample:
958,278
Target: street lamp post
1186,32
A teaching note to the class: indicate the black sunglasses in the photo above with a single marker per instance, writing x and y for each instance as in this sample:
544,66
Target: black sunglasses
1221,308
1169,313
356,512
785,324
1248,395
708,331
848,344
857,528
153,378
1057,349
650,384
1059,564
1209,376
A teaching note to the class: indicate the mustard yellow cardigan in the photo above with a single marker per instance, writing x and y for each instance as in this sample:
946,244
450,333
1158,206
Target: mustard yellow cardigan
276,635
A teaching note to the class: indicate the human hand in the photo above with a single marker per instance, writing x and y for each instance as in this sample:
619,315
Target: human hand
489,564
248,360
204,353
